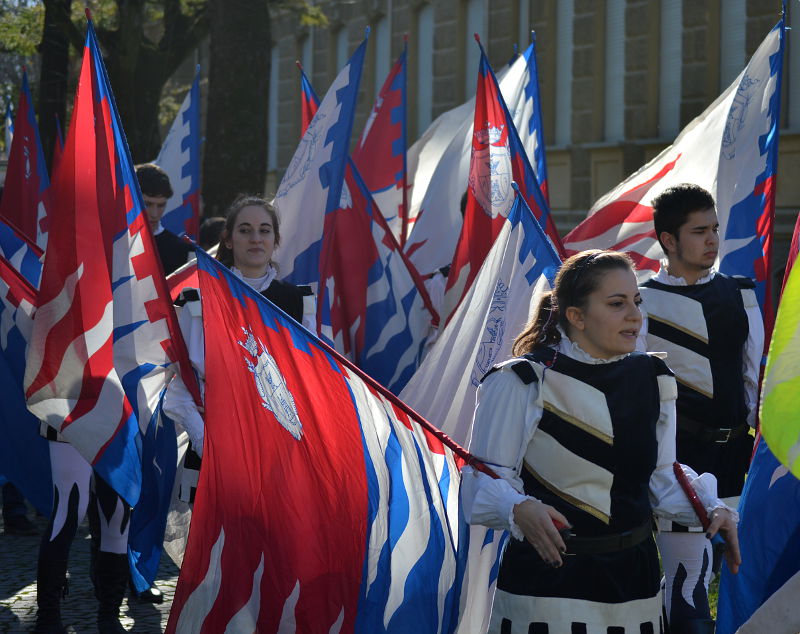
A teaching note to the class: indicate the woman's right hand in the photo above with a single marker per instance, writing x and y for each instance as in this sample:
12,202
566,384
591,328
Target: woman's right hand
535,520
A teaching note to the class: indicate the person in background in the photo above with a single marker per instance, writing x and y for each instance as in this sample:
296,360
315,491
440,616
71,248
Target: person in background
581,430
711,328
156,191
211,231
15,513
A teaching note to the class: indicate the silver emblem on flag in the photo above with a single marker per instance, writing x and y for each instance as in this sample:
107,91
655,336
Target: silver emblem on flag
270,384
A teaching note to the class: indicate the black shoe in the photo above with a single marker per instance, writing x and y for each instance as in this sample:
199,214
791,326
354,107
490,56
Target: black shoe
51,586
151,595
20,525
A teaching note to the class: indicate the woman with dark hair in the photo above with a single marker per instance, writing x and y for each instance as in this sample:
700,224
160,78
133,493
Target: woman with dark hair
581,429
251,234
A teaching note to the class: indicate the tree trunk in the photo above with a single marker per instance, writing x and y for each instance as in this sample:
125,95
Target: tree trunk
54,48
236,137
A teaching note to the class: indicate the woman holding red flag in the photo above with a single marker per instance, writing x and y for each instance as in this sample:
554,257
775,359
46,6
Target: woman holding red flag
581,429
250,236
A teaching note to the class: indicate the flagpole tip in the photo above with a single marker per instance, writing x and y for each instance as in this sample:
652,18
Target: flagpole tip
299,65
367,31
88,13
197,69
405,38
477,38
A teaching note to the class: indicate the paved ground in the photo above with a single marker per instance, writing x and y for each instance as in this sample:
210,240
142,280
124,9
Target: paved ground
18,588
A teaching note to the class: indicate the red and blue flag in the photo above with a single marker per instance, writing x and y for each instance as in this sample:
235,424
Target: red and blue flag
24,454
104,334
21,253
324,504
180,159
380,153
26,195
372,306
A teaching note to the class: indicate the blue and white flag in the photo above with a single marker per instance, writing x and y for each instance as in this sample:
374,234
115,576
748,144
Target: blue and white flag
180,159
769,538
312,185
373,307
21,253
24,454
521,265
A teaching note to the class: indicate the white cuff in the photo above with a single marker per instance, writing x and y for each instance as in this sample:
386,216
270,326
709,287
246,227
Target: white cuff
515,530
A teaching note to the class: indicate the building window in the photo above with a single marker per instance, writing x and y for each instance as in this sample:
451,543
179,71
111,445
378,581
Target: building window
272,132
614,110
307,54
671,61
475,22
424,67
564,17
732,41
792,73
524,35
342,49
383,51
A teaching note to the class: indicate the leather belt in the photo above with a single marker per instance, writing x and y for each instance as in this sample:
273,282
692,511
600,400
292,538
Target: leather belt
609,543
704,433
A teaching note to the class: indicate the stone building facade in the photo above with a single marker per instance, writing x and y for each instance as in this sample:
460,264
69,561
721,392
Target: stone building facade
618,78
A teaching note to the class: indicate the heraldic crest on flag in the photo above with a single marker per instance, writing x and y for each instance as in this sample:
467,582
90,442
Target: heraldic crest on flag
492,186
271,385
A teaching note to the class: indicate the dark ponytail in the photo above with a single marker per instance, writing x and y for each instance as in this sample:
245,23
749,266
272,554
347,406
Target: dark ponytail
542,330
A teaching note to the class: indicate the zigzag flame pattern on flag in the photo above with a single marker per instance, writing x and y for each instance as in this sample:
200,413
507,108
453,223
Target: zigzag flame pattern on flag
105,333
372,306
385,553
26,196
380,153
312,184
498,159
180,159
731,149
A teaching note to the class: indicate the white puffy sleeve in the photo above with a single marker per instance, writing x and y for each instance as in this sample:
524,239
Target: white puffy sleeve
309,319
178,402
666,495
753,353
506,416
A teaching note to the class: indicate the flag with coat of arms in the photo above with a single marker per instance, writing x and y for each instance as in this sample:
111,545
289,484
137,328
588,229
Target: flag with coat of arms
731,150
498,159
439,165
324,504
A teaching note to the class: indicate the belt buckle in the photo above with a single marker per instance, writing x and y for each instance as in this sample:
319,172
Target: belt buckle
727,436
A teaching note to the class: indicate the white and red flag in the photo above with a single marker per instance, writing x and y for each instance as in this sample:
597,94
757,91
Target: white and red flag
731,150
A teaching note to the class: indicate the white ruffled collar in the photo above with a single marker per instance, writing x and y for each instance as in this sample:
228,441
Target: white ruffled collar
664,277
257,283
573,350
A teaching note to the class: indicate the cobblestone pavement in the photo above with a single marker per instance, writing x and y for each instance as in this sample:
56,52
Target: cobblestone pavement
18,588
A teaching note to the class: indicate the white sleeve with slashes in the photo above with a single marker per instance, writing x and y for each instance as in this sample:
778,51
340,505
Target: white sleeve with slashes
506,417
666,494
178,402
